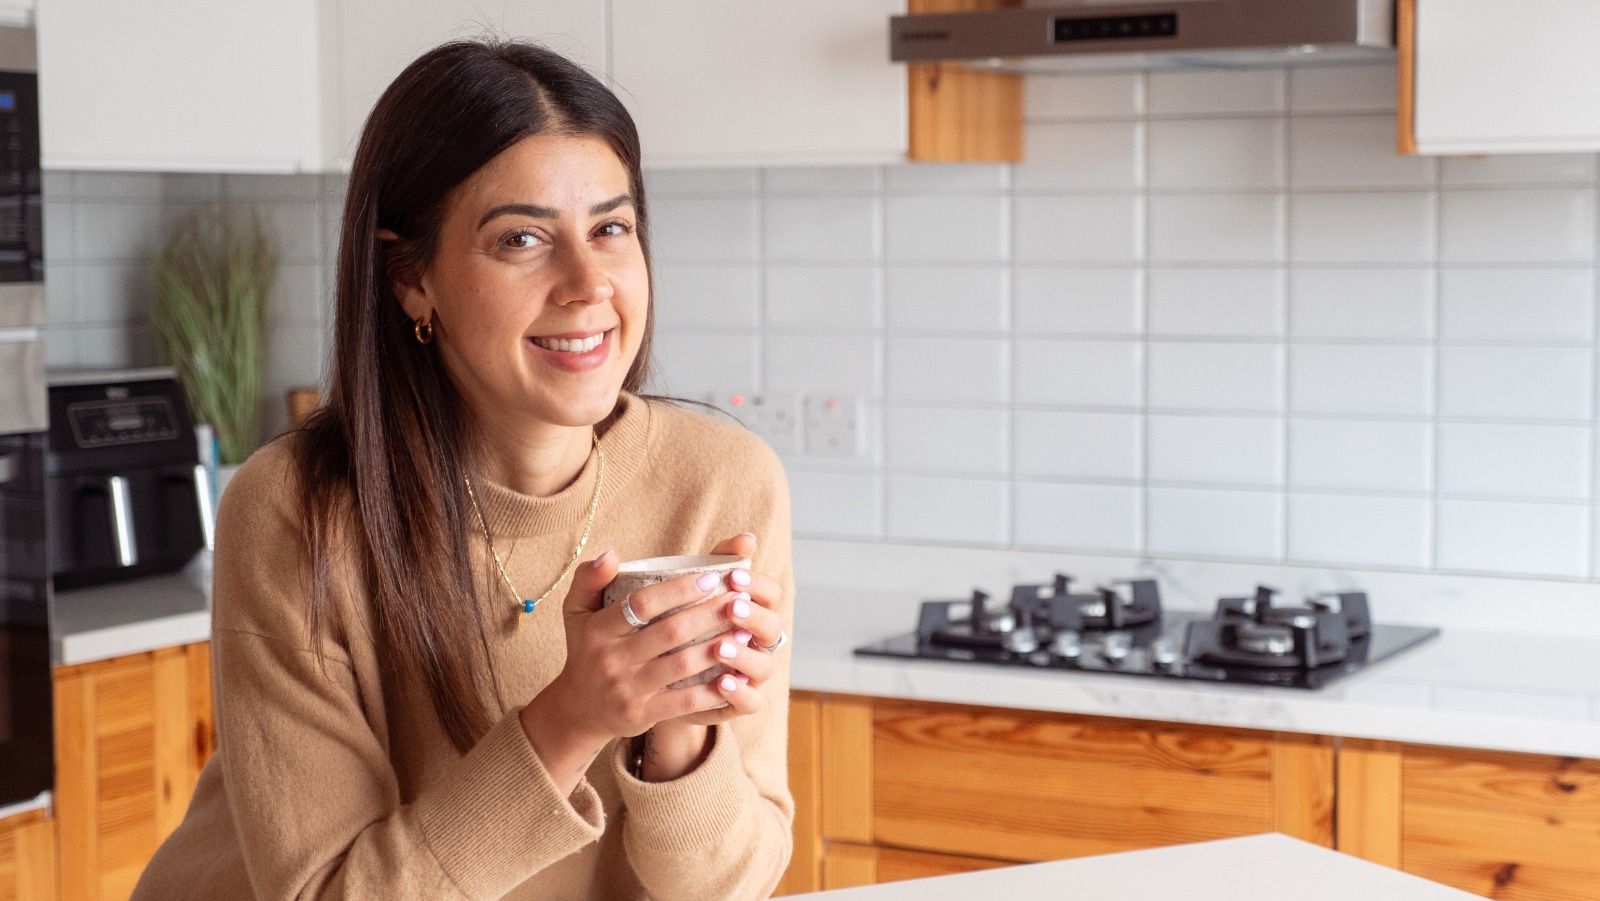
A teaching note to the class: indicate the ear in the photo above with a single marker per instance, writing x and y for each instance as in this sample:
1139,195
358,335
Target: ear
412,294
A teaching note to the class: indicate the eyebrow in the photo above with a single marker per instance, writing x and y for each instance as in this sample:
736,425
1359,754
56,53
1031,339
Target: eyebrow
543,212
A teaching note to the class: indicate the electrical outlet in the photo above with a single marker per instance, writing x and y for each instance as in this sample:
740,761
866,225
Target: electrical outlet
832,425
775,417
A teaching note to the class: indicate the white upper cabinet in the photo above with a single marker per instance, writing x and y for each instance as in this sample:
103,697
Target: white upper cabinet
376,39
719,82
178,84
1506,77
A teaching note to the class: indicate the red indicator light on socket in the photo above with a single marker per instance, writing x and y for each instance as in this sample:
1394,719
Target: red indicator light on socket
833,403
737,400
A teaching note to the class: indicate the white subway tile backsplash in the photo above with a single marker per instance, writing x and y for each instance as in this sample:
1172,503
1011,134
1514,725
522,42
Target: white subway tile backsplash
1071,445
1227,450
975,511
1219,228
110,293
1543,461
1352,151
1078,373
694,364
1362,228
966,298
1084,229
836,504
1342,89
1517,304
298,298
1214,523
824,297
1081,155
820,179
1516,382
821,228
700,181
296,227
803,363
1360,454
969,442
1519,169
1216,153
697,297
60,294
1100,301
946,178
58,231
1351,530
1346,378
1513,538
947,228
107,232
1078,517
1361,303
1217,91
959,370
1215,376
1216,302
1083,96
703,229
1524,226
98,186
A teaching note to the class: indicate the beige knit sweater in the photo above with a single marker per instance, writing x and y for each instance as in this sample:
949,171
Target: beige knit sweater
340,783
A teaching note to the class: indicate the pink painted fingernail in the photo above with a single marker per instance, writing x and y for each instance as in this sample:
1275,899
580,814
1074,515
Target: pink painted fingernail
743,637
743,679
741,578
741,605
729,684
727,650
707,582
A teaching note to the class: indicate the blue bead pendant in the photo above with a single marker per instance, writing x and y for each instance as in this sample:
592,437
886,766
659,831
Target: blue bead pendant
528,605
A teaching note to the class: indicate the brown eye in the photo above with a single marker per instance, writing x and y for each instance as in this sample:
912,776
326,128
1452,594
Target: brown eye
614,229
520,240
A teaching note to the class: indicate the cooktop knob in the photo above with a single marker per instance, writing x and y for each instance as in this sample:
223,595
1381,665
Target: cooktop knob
1067,645
1164,652
1020,641
1116,646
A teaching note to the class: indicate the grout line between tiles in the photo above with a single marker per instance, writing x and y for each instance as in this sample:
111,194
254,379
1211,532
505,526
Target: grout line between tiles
1435,313
1285,398
1144,313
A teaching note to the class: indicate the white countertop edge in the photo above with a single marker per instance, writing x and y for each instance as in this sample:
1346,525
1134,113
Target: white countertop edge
40,801
1264,709
133,638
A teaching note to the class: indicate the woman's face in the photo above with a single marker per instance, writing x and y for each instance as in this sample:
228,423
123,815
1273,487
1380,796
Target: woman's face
539,243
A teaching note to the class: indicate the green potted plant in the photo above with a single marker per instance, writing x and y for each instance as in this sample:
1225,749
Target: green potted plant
213,279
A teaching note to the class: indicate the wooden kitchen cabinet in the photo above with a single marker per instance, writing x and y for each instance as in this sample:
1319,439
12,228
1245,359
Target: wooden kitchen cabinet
1516,827
28,857
203,85
131,736
1485,76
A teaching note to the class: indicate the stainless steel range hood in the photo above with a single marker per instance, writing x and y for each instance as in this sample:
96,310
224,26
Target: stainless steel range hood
1056,36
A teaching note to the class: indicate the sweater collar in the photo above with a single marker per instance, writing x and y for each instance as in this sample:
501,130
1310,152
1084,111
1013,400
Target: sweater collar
625,443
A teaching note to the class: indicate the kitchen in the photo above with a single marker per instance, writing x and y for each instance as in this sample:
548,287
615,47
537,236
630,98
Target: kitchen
1144,320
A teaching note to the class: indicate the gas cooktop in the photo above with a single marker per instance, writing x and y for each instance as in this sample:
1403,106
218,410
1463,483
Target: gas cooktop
1122,628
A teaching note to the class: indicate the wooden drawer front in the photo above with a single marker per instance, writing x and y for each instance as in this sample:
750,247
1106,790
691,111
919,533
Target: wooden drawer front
1022,786
846,865
1508,826
28,857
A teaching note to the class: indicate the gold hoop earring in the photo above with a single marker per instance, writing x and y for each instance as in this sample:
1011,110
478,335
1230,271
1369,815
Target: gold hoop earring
423,329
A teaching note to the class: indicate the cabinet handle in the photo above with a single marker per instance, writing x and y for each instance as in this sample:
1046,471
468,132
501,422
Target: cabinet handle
122,521
202,494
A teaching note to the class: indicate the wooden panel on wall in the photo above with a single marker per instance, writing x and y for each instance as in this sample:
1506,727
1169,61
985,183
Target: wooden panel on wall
1369,800
1303,787
847,767
959,114
28,857
850,865
846,865
805,783
1017,785
1509,826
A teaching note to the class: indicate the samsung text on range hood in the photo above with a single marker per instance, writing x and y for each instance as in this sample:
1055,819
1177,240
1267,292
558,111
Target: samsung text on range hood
1062,37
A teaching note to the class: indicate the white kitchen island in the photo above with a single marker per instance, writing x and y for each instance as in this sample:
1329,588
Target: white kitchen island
1254,868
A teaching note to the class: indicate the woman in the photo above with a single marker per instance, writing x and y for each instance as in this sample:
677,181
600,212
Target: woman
406,708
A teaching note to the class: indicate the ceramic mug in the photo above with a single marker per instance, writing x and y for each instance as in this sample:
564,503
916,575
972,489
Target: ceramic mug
633,575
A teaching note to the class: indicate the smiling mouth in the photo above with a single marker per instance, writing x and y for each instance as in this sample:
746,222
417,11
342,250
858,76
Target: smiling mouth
572,345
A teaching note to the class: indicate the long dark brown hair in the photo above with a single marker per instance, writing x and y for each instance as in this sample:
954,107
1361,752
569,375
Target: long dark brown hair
381,459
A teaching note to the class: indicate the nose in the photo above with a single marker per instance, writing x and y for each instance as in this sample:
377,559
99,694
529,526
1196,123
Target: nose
583,275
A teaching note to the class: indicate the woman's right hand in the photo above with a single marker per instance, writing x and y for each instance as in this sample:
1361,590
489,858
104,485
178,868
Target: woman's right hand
615,680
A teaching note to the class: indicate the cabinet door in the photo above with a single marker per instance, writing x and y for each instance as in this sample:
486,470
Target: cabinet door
28,857
1497,77
720,82
379,38
218,85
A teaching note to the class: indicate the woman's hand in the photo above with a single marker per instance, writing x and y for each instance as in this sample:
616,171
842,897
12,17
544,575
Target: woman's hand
615,680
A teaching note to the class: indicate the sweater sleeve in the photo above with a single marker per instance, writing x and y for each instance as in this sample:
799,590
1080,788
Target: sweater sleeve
313,796
725,829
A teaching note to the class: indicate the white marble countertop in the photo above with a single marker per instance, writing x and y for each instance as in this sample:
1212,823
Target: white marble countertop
1254,868
133,616
1472,689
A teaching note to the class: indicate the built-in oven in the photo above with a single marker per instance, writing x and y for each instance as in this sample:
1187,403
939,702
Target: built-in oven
26,738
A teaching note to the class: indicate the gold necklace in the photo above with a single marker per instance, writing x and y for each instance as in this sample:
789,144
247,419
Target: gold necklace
528,605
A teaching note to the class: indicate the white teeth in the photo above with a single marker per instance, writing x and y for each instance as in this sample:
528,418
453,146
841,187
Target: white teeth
570,345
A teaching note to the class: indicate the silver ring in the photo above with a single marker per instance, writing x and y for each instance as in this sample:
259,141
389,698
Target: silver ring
783,638
628,614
